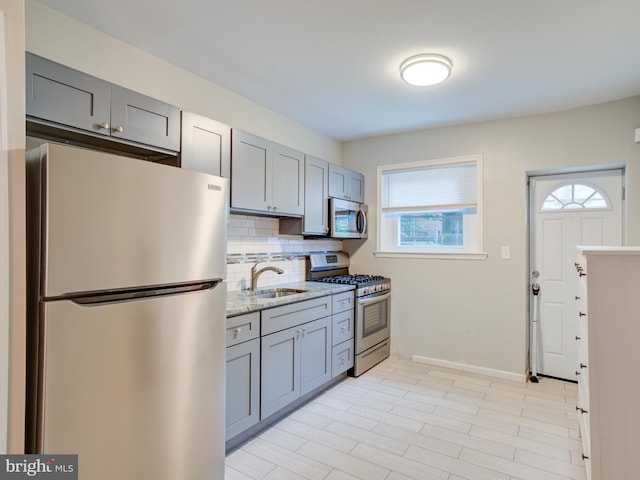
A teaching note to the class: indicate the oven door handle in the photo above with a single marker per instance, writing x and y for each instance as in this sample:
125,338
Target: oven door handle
363,302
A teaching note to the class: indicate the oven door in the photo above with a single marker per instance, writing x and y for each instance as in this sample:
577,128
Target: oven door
372,321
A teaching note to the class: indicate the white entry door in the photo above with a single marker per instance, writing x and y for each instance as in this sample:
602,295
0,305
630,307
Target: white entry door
567,210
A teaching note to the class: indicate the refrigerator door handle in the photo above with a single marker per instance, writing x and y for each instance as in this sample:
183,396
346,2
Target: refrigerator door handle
100,298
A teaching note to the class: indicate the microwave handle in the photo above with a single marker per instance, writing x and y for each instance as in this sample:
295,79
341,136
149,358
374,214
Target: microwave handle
362,221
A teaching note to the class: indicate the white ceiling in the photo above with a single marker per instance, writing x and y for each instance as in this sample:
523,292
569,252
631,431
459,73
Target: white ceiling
333,64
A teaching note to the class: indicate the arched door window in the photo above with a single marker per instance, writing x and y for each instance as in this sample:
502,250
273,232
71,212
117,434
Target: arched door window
575,196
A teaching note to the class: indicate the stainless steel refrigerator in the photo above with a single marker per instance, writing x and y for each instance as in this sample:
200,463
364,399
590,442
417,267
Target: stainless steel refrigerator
126,315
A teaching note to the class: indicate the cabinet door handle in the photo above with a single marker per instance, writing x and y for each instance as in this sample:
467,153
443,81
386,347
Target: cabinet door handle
582,314
118,129
581,410
578,298
578,373
582,365
578,338
238,331
582,274
584,457
103,126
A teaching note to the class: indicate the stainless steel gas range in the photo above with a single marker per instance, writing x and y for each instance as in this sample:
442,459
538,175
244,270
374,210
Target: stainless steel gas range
372,307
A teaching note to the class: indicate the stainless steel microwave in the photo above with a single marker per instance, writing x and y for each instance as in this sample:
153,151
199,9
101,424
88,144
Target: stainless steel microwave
347,219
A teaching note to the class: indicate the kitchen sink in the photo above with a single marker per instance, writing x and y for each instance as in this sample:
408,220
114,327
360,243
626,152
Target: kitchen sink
274,292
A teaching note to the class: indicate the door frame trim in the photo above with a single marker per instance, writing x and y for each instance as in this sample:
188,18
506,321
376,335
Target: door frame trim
531,174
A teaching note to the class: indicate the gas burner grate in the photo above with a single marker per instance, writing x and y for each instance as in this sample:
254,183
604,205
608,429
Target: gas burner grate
356,279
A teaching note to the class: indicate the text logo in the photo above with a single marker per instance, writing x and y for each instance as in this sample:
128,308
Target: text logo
50,467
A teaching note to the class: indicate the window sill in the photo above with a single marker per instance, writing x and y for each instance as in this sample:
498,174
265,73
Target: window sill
449,255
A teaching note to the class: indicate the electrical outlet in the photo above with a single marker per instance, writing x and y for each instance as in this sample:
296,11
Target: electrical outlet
505,253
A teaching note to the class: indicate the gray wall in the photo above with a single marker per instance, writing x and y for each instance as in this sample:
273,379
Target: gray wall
475,312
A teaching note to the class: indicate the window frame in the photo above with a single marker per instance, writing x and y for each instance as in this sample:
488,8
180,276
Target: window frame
440,253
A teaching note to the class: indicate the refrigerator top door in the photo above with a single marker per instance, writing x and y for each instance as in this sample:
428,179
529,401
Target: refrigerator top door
111,222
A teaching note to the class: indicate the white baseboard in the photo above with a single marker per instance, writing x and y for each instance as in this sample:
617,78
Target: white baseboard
491,372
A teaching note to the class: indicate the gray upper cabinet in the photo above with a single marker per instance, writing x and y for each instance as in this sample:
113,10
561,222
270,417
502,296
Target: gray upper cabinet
346,184
288,180
265,177
60,96
205,145
316,205
316,195
143,119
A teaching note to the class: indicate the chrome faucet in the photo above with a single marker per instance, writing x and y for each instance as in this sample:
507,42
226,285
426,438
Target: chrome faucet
256,273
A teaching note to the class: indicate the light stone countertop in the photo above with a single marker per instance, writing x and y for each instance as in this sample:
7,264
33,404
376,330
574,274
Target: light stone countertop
240,302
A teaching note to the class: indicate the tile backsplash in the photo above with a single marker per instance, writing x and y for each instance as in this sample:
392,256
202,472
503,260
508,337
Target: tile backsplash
251,239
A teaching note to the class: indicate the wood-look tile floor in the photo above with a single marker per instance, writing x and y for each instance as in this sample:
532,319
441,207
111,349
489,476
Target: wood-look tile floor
409,421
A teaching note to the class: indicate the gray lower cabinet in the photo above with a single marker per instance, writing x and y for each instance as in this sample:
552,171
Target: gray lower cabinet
205,145
280,370
296,351
242,387
315,354
242,373
295,361
342,336
278,355
341,358
265,177
63,97
346,184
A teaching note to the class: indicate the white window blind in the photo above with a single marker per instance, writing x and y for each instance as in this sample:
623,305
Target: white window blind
431,209
429,188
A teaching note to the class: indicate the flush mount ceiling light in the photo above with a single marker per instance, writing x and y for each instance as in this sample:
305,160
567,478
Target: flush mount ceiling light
425,69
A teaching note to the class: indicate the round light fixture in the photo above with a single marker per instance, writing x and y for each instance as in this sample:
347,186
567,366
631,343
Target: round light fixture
425,69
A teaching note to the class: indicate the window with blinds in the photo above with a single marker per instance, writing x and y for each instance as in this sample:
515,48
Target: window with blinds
431,206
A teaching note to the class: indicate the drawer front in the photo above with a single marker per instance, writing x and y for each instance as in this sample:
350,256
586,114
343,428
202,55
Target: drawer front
243,328
343,302
583,369
287,316
341,358
342,327
585,433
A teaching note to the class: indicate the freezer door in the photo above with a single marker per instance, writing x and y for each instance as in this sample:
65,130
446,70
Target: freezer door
111,222
136,389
